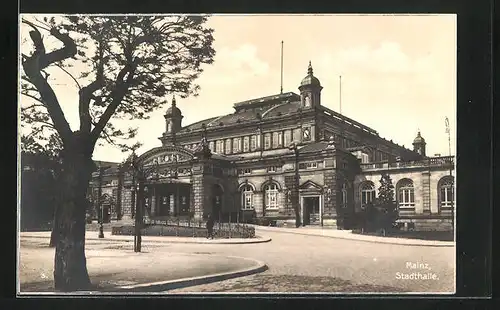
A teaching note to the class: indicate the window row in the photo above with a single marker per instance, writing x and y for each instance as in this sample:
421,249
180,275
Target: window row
405,195
271,194
251,143
269,169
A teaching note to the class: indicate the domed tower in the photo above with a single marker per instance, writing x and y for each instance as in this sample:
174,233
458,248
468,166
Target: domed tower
419,144
310,89
173,121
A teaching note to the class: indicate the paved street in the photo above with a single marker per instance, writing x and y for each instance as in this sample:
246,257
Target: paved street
299,263
309,263
113,265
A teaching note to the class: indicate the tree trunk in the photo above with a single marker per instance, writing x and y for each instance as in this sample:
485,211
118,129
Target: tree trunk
70,266
55,227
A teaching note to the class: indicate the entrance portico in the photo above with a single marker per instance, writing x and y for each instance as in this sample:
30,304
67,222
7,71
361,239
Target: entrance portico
168,198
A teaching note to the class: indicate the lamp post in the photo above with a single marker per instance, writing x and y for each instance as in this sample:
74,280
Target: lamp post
447,125
99,203
294,147
140,173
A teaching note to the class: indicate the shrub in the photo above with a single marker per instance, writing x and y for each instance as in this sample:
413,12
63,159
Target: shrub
222,230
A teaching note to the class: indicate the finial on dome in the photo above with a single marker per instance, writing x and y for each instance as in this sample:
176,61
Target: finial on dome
310,69
173,100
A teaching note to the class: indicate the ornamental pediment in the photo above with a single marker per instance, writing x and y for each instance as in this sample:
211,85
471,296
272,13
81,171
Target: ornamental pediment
310,185
169,155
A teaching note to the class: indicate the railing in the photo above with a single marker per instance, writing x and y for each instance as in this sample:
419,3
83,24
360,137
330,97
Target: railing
196,228
429,162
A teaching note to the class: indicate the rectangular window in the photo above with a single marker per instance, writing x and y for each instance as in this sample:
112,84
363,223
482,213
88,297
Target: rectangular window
236,145
228,146
253,143
272,169
246,144
276,140
297,133
367,197
287,138
220,147
267,141
311,165
406,198
247,200
245,171
446,196
364,158
211,145
271,199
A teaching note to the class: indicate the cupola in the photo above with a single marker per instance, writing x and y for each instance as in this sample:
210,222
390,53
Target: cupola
310,89
419,144
173,122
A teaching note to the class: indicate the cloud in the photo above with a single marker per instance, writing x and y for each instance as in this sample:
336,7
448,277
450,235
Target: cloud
237,65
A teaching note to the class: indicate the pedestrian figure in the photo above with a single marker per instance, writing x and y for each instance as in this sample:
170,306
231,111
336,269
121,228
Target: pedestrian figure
210,227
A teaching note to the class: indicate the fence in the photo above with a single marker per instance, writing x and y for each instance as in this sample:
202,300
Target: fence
187,228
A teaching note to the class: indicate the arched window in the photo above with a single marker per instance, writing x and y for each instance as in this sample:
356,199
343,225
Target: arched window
247,197
271,196
406,195
344,195
446,193
367,190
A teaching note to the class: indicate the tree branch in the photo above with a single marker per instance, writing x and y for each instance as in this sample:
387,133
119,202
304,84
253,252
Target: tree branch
86,94
117,95
33,66
35,98
67,72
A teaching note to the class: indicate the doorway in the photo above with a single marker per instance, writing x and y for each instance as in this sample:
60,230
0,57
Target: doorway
310,210
217,193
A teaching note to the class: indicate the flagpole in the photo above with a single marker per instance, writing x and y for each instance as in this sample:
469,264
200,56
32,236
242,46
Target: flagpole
281,89
340,94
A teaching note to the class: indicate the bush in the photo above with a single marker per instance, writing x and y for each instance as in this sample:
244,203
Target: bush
222,230
262,221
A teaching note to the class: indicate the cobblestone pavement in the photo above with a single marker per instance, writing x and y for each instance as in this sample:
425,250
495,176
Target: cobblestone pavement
299,263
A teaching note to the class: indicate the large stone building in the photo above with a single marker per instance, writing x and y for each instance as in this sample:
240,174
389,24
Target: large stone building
275,151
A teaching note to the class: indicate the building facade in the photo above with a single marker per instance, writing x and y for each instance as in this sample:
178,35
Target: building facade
275,152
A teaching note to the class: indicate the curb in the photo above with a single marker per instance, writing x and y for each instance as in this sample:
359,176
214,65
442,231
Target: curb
162,286
193,281
257,239
366,240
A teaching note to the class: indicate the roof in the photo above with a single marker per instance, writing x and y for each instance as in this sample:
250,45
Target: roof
314,147
251,110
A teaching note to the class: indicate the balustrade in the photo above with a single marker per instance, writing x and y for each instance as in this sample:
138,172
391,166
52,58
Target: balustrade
429,162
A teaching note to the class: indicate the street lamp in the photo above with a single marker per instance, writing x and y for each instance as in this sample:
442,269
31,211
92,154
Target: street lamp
295,202
140,173
99,203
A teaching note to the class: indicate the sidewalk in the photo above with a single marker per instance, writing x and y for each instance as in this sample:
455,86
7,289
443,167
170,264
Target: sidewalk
126,271
108,237
347,234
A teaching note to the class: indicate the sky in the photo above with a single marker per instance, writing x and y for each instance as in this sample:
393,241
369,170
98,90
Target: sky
398,73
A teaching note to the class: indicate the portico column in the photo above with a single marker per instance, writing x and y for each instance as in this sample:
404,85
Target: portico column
153,202
321,210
